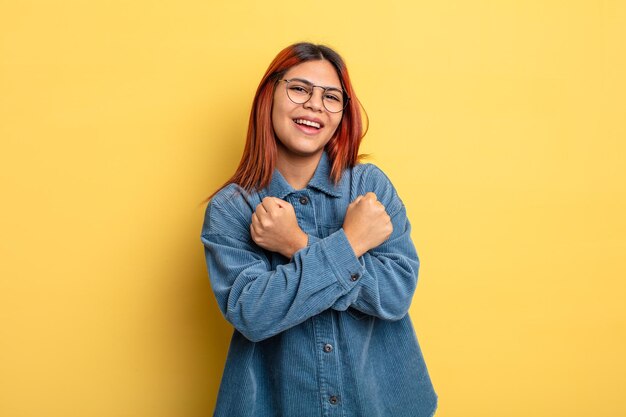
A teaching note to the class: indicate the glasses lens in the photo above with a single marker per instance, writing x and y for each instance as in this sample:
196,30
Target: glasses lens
334,101
298,91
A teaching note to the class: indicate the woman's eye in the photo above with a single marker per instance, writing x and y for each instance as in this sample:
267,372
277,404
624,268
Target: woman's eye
299,89
332,97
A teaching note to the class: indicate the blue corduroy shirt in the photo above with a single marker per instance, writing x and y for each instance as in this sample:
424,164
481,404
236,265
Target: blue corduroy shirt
324,333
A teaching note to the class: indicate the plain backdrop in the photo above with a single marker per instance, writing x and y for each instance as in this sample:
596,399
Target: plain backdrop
501,124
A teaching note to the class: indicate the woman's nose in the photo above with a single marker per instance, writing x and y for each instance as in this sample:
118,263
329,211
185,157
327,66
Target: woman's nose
316,101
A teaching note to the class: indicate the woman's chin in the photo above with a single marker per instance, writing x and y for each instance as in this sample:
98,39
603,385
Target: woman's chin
301,151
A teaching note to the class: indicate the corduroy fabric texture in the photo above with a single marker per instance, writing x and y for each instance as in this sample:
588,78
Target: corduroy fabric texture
325,333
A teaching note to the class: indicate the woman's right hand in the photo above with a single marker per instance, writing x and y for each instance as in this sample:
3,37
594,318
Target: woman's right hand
366,224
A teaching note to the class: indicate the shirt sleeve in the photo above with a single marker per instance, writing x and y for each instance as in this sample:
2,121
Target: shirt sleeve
389,272
389,275
260,302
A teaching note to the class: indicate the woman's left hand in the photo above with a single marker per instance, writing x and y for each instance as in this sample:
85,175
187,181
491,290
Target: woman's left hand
274,227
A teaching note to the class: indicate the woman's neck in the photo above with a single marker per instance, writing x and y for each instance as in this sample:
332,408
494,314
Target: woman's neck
297,170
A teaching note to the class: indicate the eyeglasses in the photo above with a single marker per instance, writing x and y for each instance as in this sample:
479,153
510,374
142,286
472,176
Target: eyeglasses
300,91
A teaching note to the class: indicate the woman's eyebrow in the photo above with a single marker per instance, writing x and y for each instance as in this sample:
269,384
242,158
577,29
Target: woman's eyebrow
310,83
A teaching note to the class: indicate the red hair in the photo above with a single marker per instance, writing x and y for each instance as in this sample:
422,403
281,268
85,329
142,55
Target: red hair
259,156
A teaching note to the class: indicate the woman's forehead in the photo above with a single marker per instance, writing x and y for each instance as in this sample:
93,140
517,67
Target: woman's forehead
318,72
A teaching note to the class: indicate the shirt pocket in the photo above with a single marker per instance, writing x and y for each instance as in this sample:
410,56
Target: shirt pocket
325,230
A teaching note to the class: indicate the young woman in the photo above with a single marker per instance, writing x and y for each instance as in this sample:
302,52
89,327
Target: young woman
310,257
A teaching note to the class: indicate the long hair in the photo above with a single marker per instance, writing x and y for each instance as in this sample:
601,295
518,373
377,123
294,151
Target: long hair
259,156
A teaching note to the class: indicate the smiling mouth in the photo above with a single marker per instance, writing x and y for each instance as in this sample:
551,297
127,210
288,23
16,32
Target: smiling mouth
308,123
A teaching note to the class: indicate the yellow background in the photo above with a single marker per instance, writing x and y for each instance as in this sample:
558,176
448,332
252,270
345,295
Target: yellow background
501,123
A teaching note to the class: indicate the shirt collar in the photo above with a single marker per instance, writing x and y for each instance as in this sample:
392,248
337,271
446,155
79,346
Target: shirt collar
321,180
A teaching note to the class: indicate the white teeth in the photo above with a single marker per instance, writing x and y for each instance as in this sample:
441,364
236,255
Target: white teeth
308,123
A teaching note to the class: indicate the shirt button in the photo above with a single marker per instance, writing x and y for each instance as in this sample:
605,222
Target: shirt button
333,399
354,277
304,200
328,347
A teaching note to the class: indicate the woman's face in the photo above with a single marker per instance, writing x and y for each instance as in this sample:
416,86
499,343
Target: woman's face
294,137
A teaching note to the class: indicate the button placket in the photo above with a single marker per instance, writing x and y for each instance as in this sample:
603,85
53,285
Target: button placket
305,212
329,372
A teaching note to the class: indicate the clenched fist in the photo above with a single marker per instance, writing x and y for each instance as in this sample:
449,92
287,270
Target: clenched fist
366,224
274,227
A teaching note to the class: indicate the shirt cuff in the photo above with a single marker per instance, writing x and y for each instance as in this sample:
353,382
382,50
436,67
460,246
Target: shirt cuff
312,239
342,259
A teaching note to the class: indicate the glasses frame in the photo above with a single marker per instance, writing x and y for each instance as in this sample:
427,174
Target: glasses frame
345,95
